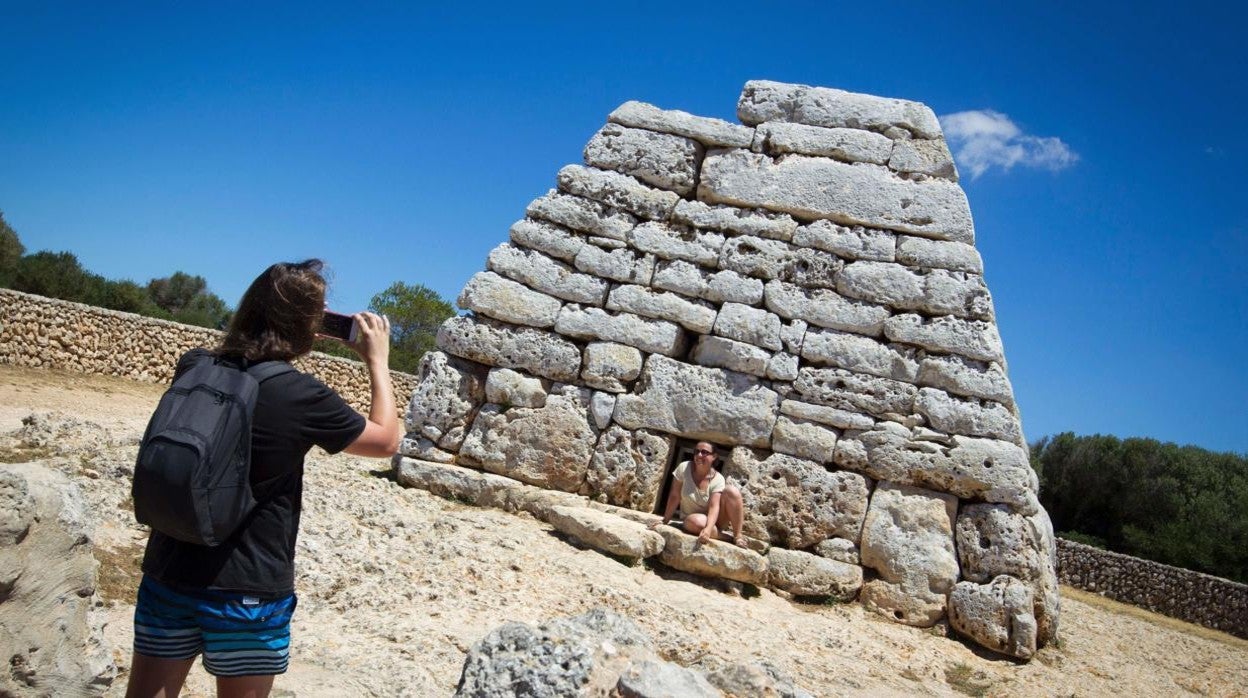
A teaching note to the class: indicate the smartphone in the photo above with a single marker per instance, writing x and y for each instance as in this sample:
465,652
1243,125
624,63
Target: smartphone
339,326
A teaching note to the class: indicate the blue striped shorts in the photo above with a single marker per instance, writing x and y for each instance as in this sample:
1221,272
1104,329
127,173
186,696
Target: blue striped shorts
238,634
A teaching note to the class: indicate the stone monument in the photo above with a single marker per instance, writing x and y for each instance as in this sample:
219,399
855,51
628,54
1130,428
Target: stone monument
802,290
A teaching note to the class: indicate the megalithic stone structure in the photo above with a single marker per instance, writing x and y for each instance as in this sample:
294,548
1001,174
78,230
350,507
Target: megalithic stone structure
802,290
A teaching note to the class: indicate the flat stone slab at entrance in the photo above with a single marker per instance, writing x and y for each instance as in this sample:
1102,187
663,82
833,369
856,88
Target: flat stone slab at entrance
606,532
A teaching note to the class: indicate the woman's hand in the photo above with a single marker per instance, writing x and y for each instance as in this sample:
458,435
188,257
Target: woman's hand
372,341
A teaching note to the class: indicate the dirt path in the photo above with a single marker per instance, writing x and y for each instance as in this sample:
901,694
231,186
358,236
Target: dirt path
395,585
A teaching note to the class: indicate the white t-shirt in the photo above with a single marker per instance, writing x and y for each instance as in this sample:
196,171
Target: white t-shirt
692,499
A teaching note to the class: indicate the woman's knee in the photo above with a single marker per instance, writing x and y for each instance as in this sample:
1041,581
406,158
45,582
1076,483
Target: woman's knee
695,522
732,495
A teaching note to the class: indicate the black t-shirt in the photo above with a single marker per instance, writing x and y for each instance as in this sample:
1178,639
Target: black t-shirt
294,412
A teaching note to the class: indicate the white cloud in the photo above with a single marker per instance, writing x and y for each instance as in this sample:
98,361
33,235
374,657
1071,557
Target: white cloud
984,138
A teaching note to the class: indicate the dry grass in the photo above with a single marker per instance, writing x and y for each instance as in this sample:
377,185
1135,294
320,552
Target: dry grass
119,573
1157,619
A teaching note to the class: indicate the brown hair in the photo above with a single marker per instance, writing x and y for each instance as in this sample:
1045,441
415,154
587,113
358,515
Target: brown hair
279,314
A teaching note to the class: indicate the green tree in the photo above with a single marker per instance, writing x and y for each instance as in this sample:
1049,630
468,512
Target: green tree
11,251
128,297
58,275
415,312
185,298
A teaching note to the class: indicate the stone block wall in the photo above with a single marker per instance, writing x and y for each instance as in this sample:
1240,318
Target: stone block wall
801,289
48,333
1191,596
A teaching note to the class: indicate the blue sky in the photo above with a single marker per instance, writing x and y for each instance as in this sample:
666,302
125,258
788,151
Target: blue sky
1101,154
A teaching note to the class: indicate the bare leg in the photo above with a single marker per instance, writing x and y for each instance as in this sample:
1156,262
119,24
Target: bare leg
154,677
244,686
694,524
732,513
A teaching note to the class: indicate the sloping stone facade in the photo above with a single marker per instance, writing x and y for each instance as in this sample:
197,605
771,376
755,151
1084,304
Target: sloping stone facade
801,289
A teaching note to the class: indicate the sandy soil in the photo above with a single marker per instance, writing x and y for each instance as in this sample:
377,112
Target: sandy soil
395,585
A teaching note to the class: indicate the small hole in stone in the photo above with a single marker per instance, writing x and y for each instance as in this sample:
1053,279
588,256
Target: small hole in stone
984,543
987,462
899,615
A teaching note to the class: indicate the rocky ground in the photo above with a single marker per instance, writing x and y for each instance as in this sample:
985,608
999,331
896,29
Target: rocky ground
396,584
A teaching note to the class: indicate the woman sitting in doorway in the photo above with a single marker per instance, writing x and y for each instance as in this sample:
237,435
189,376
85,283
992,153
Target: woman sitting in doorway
706,501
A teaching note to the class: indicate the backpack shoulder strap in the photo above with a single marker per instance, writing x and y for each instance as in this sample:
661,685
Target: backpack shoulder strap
269,369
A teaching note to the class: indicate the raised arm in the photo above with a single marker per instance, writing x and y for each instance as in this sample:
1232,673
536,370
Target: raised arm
380,438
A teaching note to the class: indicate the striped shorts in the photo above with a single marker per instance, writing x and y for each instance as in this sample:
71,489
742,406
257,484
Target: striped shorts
238,634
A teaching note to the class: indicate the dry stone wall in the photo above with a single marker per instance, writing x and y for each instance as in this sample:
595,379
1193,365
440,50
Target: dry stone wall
1191,596
801,289
48,333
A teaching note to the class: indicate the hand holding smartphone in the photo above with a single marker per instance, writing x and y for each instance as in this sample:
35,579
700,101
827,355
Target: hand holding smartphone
339,326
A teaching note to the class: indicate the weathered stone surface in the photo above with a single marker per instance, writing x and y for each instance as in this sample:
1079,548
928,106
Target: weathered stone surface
627,468
967,416
935,292
804,439
796,503
997,615
546,237
610,366
737,221
421,448
974,339
783,367
855,352
601,407
651,336
755,679
840,550
924,156
804,574
447,395
825,308
856,392
814,188
793,335
695,402
652,679
659,159
994,540
705,130
712,559
956,293
605,532
619,264
548,446
496,344
961,376
509,388
681,277
503,299
618,191
850,242
668,242
450,481
765,100
584,215
831,416
907,539
719,352
750,325
846,144
552,277
772,259
938,254
727,286
640,300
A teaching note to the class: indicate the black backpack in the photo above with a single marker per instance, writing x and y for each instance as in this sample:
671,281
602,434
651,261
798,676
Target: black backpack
192,474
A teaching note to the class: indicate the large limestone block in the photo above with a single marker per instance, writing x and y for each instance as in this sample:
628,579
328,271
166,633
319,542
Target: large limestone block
659,159
696,402
907,539
651,336
840,550
419,447
451,481
955,293
825,308
929,157
619,264
680,277
831,416
994,540
845,144
938,254
997,615
855,352
736,221
974,339
783,367
610,366
669,242
711,559
496,344
813,188
547,446
627,467
850,242
719,352
584,215
804,574
542,273
639,300
447,395
503,299
856,392
796,503
713,132
546,238
971,417
766,100
772,259
960,376
805,439
509,388
618,191
602,531
750,325
935,292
